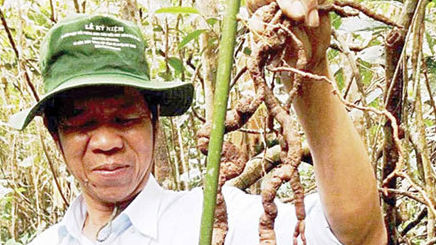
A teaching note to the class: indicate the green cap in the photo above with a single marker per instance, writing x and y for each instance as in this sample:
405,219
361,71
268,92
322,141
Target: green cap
100,50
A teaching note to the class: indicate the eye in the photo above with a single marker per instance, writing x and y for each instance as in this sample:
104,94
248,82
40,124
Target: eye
88,124
78,126
127,121
76,112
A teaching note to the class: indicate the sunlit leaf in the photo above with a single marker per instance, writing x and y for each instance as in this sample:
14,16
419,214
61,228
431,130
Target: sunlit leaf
336,20
365,71
177,10
191,36
212,21
176,63
167,76
339,76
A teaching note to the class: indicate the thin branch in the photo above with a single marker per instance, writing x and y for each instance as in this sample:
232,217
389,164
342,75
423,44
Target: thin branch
52,17
427,199
196,73
238,75
84,6
427,84
198,115
50,163
76,6
338,10
408,194
17,55
189,63
8,32
403,51
367,12
414,222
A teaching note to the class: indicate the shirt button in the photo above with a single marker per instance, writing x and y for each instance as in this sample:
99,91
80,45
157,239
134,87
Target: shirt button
132,230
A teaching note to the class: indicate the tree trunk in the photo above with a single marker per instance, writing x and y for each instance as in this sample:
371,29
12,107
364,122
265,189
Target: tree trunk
162,165
422,144
393,101
208,8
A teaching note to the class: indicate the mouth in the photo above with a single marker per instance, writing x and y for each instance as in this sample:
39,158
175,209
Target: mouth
110,169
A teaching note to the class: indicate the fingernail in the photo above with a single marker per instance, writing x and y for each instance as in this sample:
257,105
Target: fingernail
297,9
313,18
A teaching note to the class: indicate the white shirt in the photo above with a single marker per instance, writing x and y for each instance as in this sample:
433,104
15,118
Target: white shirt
162,217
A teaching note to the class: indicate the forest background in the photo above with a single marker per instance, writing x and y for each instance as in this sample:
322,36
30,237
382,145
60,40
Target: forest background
387,66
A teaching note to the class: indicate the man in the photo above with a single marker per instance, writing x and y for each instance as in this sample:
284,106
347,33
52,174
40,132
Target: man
102,110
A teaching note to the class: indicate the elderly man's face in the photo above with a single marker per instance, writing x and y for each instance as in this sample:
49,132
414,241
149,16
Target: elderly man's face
107,143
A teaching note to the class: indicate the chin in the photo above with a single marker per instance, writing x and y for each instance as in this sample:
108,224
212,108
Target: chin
114,196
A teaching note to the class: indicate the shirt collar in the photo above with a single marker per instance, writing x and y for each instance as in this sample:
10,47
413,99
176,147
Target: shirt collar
142,212
73,219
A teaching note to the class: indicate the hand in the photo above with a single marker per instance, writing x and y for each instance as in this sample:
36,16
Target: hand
310,26
293,9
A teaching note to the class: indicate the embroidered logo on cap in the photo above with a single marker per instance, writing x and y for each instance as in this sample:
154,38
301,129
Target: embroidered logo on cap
103,37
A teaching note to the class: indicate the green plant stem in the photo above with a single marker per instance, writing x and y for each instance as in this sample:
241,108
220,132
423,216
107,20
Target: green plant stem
225,62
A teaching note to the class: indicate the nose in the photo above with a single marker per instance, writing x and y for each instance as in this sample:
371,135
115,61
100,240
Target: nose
106,140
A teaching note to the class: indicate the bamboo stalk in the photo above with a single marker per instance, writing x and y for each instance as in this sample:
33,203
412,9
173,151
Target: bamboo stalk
225,62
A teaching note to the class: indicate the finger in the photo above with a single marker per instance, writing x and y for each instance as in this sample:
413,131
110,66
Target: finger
294,9
312,16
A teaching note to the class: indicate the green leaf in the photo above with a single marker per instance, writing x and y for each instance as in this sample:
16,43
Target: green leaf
176,63
430,61
177,10
157,28
339,77
336,20
212,21
247,51
167,76
430,41
428,122
20,189
365,71
191,36
212,42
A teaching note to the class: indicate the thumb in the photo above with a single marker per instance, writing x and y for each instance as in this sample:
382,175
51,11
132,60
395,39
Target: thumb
301,10
294,9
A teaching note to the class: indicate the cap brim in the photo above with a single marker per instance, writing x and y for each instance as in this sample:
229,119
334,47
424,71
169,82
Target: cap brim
174,98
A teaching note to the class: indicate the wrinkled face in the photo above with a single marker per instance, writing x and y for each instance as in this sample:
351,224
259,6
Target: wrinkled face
107,143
